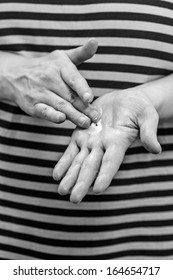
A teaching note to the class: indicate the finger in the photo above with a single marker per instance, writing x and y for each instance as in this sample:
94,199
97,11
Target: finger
61,89
46,112
111,162
67,108
87,175
148,131
80,54
76,82
88,109
65,161
71,176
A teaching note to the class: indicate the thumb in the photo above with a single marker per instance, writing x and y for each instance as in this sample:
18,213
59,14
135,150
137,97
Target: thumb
148,131
80,54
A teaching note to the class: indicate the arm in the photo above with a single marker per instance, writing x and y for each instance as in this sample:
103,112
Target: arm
160,92
50,86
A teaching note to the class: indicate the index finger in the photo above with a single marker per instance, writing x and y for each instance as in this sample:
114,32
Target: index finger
76,82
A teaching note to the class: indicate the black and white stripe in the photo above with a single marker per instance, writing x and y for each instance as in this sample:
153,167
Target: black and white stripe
133,219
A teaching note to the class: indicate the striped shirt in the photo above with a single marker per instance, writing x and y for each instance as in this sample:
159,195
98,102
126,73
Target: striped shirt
133,219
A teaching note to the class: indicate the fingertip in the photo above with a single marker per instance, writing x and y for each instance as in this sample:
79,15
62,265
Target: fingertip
97,189
100,186
88,97
55,175
62,191
61,117
76,199
77,193
93,44
151,143
156,149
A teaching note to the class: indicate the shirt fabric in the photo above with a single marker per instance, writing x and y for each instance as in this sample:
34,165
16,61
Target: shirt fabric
133,218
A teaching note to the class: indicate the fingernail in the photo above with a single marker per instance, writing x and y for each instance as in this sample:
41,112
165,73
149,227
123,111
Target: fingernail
95,116
97,191
76,199
84,122
56,176
88,97
62,190
99,187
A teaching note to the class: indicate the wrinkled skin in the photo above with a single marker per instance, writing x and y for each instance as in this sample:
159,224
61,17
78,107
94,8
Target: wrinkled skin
95,156
50,87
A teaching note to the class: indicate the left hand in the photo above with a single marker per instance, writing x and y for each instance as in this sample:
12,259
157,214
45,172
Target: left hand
96,155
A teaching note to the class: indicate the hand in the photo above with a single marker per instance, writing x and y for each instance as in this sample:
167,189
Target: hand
96,153
51,87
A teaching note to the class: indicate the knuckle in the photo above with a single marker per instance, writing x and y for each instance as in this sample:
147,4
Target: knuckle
44,76
56,54
59,57
47,74
72,81
30,98
74,77
41,111
61,105
77,161
72,97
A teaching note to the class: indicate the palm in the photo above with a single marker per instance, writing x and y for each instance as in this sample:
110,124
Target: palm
96,153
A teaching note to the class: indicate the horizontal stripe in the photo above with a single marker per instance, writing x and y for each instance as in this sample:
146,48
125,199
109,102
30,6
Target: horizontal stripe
61,203
148,171
90,17
87,221
87,4
51,130
130,51
121,33
122,189
51,163
61,148
86,213
41,255
84,243
31,124
89,235
32,145
88,251
50,43
108,197
118,182
137,69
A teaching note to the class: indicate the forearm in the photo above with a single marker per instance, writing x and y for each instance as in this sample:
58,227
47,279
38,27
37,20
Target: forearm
160,92
7,60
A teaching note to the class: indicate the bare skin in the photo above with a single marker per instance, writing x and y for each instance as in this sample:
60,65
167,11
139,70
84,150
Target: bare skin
97,153
50,87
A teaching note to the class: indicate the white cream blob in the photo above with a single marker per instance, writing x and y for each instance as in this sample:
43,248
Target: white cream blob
96,127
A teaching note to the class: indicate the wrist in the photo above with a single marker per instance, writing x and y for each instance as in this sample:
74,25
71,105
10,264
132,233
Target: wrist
8,71
6,89
153,93
160,93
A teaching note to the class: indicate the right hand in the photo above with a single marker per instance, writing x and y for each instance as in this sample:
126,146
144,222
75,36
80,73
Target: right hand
51,87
